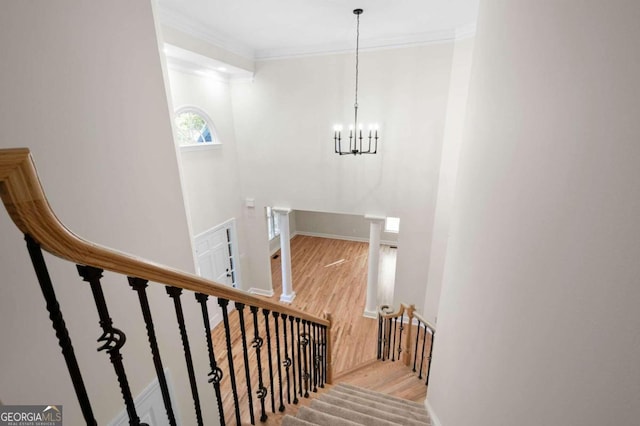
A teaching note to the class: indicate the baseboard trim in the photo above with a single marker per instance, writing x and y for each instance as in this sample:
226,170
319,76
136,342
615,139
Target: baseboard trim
261,292
346,238
288,298
370,314
435,421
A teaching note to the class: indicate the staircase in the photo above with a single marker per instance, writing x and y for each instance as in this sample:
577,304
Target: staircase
346,405
265,357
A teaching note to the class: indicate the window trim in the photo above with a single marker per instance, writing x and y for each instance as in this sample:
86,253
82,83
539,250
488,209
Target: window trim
272,223
215,143
395,229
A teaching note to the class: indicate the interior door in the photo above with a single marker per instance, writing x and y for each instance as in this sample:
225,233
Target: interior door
214,254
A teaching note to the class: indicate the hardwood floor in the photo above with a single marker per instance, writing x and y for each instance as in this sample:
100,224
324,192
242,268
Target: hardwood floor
328,276
392,378
331,276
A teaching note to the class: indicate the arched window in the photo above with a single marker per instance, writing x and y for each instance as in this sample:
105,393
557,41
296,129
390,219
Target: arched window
194,127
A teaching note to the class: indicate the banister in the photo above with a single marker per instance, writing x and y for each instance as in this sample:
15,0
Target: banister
27,205
386,312
424,321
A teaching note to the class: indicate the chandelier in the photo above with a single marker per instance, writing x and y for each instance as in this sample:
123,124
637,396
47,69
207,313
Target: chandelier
359,142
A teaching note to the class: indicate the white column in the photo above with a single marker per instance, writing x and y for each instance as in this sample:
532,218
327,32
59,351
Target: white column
375,230
285,254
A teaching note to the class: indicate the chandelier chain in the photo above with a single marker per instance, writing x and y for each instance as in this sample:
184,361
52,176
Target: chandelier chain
357,63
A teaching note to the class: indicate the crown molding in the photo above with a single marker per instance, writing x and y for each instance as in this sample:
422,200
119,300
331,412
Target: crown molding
194,63
466,31
365,45
194,69
178,20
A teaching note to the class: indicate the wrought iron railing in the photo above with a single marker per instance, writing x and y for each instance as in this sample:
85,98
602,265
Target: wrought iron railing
418,345
26,203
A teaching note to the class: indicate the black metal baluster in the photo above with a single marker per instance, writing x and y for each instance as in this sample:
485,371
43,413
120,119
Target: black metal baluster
424,339
266,326
57,321
232,373
324,355
300,365
389,338
275,320
287,360
319,353
257,344
384,339
393,344
401,328
216,373
310,345
433,336
113,339
174,293
240,309
304,342
140,286
316,360
293,362
321,356
379,336
415,351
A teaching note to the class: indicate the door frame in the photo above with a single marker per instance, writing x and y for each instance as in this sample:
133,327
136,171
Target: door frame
230,225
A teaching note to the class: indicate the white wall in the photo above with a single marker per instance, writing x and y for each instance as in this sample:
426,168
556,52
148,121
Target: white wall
454,124
210,175
284,122
82,87
345,226
539,318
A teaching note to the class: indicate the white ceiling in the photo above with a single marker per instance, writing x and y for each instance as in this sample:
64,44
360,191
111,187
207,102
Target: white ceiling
260,29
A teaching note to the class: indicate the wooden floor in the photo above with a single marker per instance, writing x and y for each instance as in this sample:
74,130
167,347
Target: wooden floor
329,276
324,285
391,378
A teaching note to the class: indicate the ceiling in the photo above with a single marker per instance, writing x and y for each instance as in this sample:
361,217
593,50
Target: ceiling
260,29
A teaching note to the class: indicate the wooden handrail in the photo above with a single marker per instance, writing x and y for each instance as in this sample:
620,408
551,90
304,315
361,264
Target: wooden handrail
385,311
24,199
424,321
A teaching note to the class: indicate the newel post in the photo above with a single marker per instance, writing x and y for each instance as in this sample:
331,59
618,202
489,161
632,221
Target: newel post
327,316
407,346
